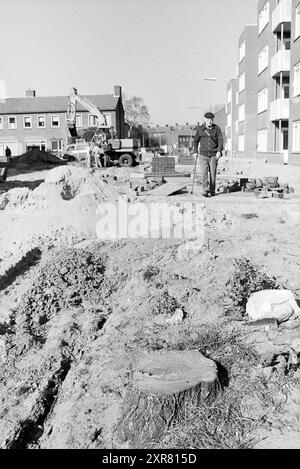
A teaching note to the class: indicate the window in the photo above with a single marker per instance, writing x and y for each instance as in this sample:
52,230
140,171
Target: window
41,122
296,136
242,82
27,124
56,145
241,112
287,43
262,138
237,98
262,98
242,51
93,121
297,22
229,95
1,122
242,143
236,126
78,120
297,79
286,90
107,118
12,122
263,17
263,59
55,121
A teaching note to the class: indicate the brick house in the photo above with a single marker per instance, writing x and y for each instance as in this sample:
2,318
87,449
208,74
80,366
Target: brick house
41,121
179,135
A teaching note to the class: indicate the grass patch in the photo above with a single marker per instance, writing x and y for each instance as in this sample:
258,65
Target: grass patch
245,281
221,424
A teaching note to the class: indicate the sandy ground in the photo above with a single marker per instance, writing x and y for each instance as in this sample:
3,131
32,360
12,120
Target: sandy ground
67,342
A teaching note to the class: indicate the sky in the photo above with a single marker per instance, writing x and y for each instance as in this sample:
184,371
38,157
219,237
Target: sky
159,50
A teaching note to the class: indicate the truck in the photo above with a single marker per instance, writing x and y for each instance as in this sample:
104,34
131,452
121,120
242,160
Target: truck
125,151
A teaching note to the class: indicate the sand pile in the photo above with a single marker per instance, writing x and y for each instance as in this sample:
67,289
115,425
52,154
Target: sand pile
36,157
61,211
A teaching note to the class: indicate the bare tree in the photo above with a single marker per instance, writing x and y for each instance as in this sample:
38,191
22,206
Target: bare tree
136,112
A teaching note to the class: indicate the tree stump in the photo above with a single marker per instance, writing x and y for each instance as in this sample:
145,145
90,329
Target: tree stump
163,382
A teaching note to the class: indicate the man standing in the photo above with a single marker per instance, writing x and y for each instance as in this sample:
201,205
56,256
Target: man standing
8,153
96,155
89,156
210,138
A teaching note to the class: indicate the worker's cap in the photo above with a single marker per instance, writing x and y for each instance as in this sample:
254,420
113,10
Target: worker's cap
209,115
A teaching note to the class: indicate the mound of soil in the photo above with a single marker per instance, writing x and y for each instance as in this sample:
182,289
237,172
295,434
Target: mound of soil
37,157
64,282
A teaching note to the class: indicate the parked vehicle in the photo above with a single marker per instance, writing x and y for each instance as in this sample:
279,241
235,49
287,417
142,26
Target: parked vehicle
78,150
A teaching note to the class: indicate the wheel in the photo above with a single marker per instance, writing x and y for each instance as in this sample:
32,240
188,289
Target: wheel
125,160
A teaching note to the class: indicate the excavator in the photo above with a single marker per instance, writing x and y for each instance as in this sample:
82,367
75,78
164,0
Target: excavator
125,151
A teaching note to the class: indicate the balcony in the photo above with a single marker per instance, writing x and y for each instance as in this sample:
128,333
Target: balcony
282,14
281,62
279,109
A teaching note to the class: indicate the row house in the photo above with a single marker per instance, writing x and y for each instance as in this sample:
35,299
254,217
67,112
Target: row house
268,99
42,121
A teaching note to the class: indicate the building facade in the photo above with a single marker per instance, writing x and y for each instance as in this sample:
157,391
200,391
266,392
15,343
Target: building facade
269,84
42,121
232,123
176,136
294,121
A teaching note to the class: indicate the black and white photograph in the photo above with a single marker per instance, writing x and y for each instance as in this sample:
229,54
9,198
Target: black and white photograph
149,228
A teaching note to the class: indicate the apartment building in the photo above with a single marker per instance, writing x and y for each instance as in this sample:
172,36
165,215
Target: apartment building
247,71
270,74
41,121
294,121
232,123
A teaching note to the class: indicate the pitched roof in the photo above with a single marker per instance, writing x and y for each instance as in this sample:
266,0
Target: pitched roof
31,105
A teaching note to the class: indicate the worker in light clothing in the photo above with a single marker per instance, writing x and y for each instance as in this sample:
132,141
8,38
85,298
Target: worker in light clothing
208,141
96,155
89,156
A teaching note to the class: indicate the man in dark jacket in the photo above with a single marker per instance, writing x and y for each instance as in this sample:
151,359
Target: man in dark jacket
208,141
8,153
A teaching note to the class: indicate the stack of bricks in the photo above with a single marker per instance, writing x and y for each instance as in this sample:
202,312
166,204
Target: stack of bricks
163,165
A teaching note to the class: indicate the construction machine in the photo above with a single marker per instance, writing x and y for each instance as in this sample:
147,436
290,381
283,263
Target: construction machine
125,151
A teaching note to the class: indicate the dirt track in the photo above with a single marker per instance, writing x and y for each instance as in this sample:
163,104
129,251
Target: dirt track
73,320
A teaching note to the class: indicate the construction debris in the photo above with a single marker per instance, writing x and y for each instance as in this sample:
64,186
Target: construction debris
278,304
167,189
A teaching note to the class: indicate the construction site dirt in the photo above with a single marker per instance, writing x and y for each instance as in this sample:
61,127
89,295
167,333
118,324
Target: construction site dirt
78,312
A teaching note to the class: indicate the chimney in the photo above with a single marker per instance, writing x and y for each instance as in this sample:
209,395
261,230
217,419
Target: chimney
30,93
187,123
118,91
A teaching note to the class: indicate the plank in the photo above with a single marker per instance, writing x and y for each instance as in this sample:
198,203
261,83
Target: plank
169,188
